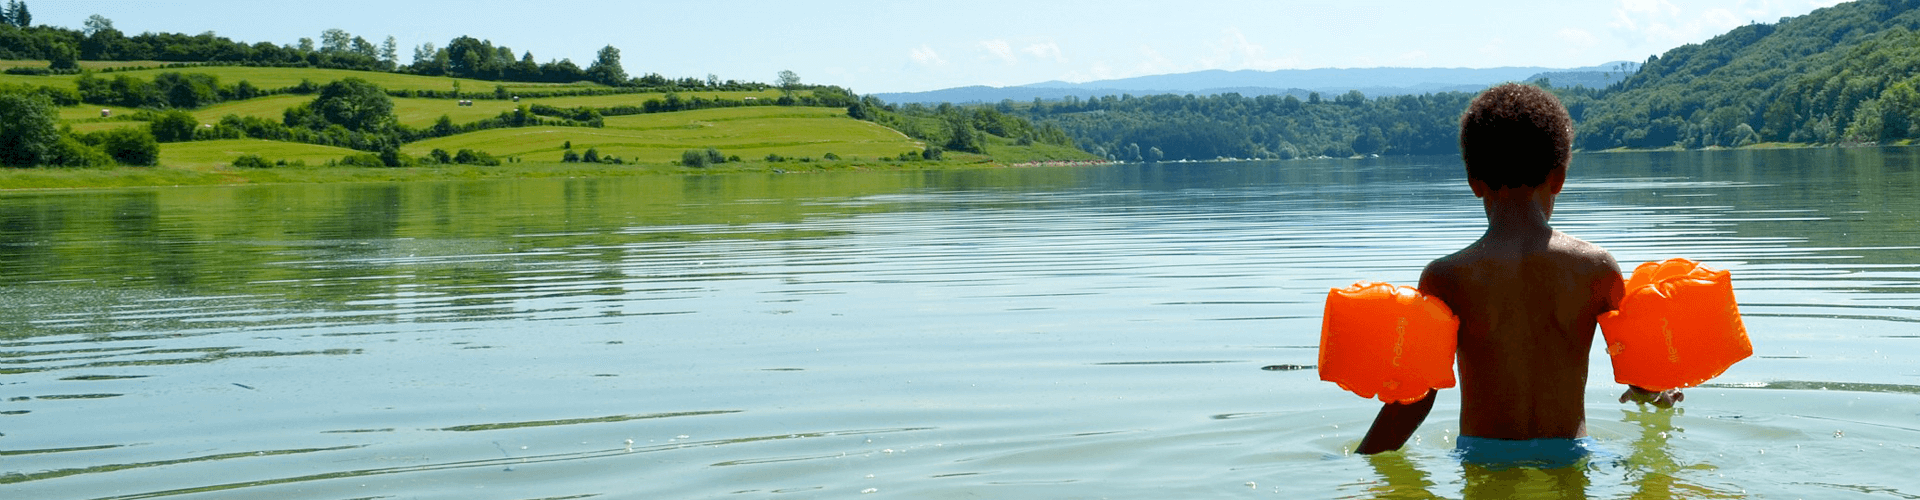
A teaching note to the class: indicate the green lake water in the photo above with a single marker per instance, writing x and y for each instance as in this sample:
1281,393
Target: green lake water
1089,332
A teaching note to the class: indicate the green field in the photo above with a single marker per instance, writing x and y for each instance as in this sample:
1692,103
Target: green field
750,132
411,111
278,78
608,101
210,155
270,107
649,143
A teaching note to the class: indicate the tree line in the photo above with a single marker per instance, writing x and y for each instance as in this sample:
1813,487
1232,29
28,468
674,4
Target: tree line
464,57
947,127
1189,127
1847,74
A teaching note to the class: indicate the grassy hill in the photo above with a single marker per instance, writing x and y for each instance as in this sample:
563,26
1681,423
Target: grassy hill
1841,74
751,133
764,137
217,155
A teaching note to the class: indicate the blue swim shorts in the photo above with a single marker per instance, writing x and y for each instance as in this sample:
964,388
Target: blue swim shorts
1542,453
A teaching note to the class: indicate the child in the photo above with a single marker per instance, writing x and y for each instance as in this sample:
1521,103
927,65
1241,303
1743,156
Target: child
1528,297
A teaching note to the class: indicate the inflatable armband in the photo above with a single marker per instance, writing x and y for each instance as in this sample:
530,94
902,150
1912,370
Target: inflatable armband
1386,340
1677,327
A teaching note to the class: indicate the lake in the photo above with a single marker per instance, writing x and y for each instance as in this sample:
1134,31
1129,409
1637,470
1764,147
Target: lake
1014,333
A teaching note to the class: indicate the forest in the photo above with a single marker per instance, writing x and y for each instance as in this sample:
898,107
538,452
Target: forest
1846,74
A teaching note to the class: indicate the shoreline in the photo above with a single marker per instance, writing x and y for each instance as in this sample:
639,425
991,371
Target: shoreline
20,180
17,180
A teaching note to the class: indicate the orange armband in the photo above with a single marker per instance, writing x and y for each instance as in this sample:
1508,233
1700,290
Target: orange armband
1677,327
1393,342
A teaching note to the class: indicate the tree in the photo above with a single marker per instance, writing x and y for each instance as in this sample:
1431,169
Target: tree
606,68
362,47
390,53
335,40
173,126
422,54
63,57
28,133
16,14
131,146
95,24
187,91
102,41
355,104
693,158
789,81
468,57
306,45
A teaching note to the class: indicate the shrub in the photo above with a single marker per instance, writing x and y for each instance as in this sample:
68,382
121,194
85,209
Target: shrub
70,152
694,158
174,126
359,160
471,157
130,146
252,161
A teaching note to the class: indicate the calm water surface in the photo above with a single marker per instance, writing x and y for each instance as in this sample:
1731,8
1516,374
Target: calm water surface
1038,333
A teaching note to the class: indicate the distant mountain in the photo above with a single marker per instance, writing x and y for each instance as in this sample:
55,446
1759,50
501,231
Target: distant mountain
1374,82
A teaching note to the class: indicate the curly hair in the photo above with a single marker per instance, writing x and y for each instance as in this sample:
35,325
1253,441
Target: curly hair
1513,135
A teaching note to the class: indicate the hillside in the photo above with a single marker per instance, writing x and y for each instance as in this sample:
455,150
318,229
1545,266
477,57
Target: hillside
205,104
1845,73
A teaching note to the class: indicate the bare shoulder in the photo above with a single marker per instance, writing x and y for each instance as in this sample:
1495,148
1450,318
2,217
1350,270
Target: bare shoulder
1443,274
1591,257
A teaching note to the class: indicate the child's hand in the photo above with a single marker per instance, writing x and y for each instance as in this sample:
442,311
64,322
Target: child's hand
1663,399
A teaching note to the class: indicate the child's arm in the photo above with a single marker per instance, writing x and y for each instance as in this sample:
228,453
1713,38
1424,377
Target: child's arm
1616,292
1395,424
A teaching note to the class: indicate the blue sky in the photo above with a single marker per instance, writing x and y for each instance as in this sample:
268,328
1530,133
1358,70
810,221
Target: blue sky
897,46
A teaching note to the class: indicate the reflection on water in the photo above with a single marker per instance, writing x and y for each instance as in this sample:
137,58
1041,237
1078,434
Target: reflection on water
1024,333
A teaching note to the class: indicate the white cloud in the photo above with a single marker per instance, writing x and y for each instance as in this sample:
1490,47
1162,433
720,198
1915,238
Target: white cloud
1152,63
926,56
1233,51
1662,23
1494,48
1000,49
1046,51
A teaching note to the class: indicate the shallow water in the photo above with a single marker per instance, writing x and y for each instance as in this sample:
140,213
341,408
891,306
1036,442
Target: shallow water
1037,333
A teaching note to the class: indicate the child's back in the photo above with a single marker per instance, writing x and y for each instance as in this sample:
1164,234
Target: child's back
1528,297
